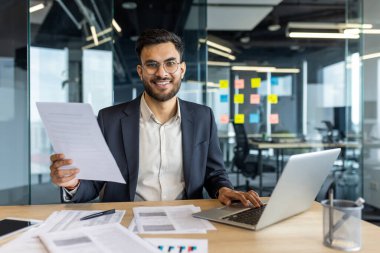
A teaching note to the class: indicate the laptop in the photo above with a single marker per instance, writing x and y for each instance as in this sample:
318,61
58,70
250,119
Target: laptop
294,193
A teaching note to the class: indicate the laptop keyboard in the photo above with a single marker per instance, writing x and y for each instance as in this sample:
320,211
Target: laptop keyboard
250,216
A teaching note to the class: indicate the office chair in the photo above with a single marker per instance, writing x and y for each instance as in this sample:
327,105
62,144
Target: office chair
245,163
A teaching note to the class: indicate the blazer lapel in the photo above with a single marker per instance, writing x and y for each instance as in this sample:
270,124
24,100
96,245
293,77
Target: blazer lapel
131,128
187,127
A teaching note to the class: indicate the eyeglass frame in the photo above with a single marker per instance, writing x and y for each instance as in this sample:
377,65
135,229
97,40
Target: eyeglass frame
159,65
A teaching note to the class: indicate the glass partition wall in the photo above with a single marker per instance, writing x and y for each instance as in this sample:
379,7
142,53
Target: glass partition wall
14,107
371,113
295,76
83,51
71,60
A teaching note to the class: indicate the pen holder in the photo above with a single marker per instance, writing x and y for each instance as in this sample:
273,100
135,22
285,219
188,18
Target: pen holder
342,225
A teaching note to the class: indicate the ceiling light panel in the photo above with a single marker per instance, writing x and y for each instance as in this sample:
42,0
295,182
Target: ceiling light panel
312,35
247,2
221,53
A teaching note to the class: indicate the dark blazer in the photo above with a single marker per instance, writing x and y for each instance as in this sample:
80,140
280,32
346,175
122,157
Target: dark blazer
202,158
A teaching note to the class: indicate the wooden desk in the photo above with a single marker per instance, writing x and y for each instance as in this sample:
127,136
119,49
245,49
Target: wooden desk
279,147
302,233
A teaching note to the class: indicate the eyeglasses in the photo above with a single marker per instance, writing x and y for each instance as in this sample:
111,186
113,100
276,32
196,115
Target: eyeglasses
169,66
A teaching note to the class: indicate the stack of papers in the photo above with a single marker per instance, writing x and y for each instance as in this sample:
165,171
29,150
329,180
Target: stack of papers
168,220
70,219
64,232
67,220
105,238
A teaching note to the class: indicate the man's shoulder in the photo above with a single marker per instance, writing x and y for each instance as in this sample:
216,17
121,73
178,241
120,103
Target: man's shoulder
114,108
119,108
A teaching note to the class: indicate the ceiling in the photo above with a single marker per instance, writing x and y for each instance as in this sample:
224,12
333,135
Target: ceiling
259,44
241,25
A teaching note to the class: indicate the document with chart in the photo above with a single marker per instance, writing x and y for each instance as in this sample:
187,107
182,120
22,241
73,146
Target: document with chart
168,220
73,130
102,238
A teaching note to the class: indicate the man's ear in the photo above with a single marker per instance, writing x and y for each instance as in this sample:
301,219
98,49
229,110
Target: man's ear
183,69
139,71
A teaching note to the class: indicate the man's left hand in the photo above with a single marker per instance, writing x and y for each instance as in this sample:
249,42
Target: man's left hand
227,195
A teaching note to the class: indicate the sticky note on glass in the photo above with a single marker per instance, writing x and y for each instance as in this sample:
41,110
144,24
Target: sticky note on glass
255,82
239,118
223,84
239,84
224,119
224,98
254,118
239,98
274,81
273,99
255,99
274,118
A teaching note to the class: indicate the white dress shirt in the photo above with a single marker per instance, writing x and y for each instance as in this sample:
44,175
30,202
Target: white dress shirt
160,157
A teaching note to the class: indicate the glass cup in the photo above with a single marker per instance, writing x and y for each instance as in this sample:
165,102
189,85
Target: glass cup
342,225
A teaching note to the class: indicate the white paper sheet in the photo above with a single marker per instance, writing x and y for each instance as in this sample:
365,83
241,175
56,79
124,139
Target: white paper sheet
58,221
73,130
169,220
70,219
112,238
170,245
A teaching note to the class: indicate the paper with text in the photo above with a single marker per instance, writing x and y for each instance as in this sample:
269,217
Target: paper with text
169,220
110,238
65,220
73,130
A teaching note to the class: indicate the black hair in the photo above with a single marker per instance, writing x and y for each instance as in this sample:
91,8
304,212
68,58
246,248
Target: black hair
158,36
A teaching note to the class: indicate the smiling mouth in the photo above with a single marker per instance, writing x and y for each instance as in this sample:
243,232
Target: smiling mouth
162,83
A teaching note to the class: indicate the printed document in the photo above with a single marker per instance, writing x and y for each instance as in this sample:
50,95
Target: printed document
73,130
70,219
110,238
169,220
65,220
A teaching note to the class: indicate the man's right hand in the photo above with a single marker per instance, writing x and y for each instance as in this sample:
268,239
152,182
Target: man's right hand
63,177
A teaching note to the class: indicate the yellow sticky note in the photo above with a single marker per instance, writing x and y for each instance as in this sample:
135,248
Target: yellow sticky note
239,98
239,118
274,119
272,98
223,84
255,82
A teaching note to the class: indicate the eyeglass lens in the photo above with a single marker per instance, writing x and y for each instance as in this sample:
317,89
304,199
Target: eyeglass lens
169,66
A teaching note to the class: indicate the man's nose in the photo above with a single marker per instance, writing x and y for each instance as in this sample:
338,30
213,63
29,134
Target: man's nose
161,71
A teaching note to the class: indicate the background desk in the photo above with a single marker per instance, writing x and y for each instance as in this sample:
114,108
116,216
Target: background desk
279,148
302,233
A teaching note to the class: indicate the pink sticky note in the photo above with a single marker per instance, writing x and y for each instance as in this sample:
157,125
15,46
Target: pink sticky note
274,119
224,119
239,84
255,99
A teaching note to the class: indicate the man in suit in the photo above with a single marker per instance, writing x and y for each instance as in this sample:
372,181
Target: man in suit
166,148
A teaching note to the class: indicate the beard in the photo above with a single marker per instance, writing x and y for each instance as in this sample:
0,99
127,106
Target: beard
162,97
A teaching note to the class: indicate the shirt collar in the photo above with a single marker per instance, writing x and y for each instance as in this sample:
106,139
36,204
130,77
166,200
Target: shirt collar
146,113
